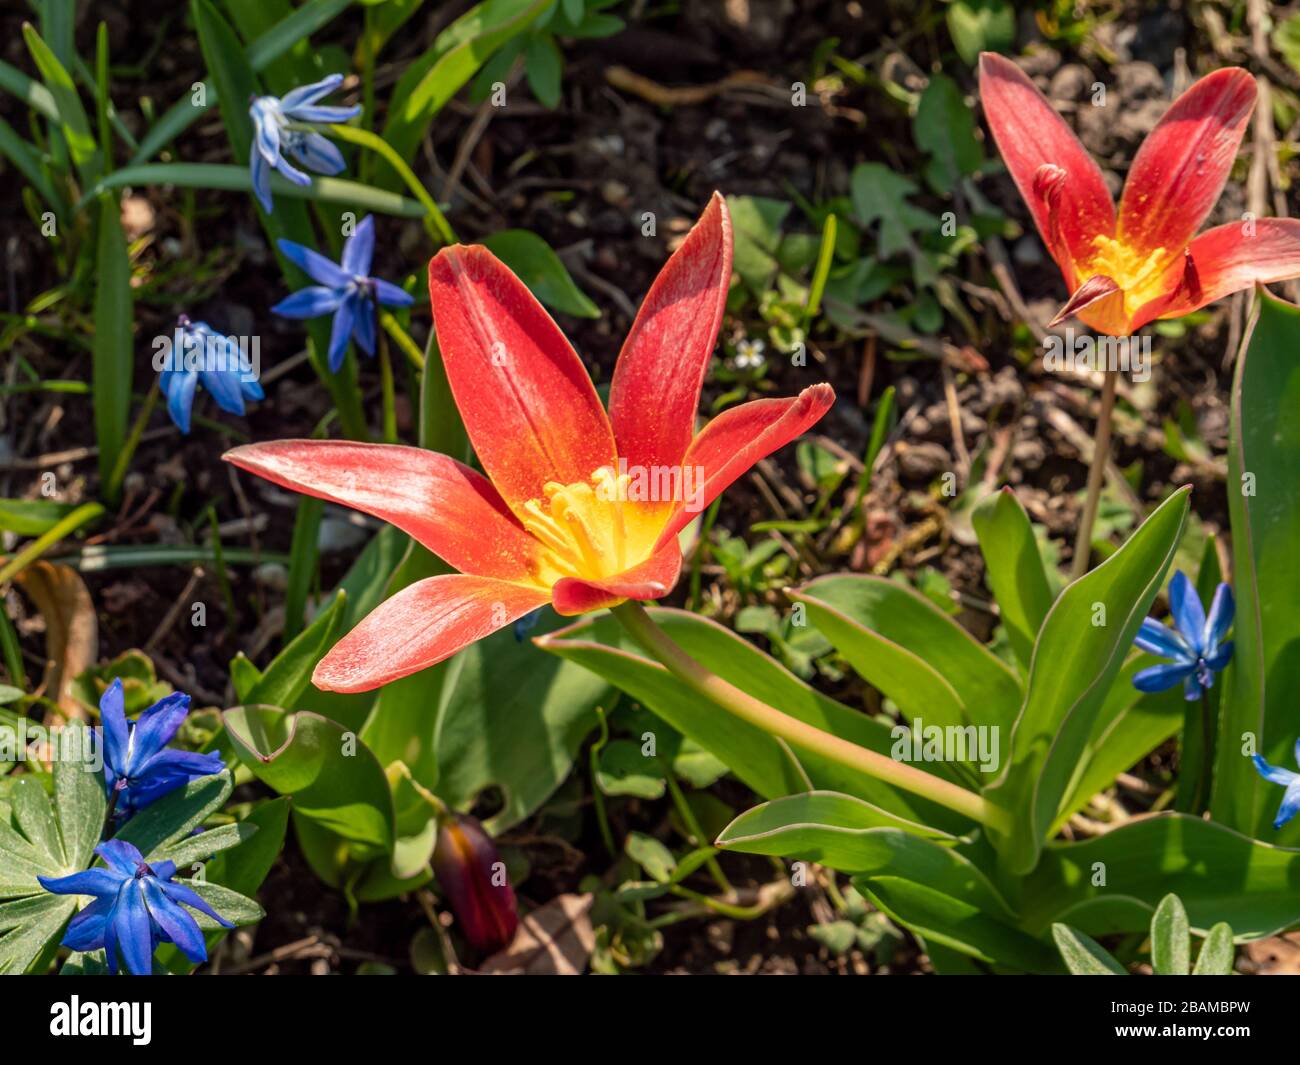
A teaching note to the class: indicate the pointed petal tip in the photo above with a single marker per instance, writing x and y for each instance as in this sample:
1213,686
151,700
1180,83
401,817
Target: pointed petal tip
1097,287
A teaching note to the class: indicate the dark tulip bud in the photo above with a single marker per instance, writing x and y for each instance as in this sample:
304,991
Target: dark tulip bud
473,879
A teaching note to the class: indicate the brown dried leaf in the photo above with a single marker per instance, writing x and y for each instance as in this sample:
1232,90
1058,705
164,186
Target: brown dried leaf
71,628
556,939
1275,956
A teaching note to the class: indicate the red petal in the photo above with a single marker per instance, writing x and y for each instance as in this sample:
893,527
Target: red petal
656,388
1096,288
452,510
1069,211
652,579
737,438
1225,260
1180,169
420,626
529,406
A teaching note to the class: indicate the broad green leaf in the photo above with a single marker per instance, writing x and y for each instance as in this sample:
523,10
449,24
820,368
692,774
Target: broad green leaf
416,819
286,678
113,363
880,195
623,770
917,655
436,76
957,923
334,780
944,127
234,907
538,267
78,795
403,722
198,848
818,826
544,67
1114,882
981,26
1082,645
364,583
932,888
242,868
651,855
766,764
509,687
1217,953
177,814
29,930
1129,726
1260,685
233,178
46,838
1014,569
296,27
1170,938
1083,955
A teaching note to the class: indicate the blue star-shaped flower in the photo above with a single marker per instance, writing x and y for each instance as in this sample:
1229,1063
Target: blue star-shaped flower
139,768
1291,781
136,907
200,354
346,291
1195,645
280,129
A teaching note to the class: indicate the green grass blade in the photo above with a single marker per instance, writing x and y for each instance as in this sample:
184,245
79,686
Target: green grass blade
111,362
72,115
233,178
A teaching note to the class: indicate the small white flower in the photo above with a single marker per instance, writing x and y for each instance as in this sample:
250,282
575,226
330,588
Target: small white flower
749,354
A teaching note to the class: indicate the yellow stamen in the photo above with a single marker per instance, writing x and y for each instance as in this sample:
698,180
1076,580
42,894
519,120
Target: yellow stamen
587,527
1141,277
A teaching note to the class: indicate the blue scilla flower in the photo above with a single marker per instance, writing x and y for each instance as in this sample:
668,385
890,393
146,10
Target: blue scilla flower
136,907
1291,781
138,766
200,354
1195,646
345,290
281,128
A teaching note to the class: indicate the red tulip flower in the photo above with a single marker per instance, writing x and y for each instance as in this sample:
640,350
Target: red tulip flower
580,509
1126,270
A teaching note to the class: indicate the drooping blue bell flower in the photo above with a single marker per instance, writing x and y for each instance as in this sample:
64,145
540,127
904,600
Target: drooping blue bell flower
200,355
281,131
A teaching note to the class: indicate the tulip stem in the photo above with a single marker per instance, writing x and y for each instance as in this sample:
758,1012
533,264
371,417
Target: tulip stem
1096,478
800,734
1207,757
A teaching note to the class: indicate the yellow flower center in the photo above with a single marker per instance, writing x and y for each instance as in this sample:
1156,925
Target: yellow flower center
1139,276
590,529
